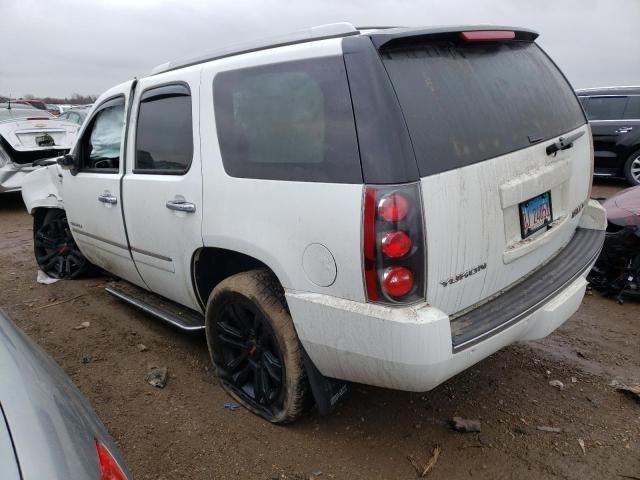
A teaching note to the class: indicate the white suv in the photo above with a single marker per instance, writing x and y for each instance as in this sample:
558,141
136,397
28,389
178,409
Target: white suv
381,206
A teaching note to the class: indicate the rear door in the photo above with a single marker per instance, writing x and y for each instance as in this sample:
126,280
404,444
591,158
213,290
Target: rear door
605,114
92,197
163,183
481,116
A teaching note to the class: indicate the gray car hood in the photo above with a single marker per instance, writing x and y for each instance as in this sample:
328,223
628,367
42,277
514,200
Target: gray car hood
52,425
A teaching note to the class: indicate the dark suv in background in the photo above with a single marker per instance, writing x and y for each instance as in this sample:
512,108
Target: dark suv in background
614,115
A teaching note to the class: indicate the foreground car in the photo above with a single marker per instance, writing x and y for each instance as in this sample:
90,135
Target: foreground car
614,116
48,429
386,206
27,135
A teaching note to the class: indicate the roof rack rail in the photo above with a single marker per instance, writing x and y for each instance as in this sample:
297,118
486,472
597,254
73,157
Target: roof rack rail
320,32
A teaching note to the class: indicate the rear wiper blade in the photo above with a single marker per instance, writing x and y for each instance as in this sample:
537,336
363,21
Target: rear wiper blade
563,143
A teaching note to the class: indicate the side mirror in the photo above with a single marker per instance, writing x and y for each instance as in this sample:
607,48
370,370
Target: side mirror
66,161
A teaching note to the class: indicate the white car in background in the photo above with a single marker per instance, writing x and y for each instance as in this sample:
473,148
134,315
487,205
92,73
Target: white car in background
26,135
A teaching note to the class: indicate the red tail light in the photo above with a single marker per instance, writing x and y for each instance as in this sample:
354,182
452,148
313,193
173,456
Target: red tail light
393,244
396,244
487,35
109,468
393,208
397,281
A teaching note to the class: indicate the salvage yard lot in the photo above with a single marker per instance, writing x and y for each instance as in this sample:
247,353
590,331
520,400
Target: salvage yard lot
184,431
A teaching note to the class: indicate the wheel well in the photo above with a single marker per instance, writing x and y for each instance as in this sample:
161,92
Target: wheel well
38,216
212,265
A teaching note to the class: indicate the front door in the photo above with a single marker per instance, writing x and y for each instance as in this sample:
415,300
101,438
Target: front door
92,198
162,186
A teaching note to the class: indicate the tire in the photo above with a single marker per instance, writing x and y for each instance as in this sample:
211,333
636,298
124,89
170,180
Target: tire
632,168
55,249
254,346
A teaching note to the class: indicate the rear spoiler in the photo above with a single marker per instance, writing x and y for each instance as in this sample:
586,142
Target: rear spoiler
399,37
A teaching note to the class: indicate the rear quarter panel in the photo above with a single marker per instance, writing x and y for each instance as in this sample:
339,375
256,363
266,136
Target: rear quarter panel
276,221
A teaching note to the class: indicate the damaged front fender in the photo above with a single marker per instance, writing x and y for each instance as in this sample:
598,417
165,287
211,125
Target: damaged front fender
42,188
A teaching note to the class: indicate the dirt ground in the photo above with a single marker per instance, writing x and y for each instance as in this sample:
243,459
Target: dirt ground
184,432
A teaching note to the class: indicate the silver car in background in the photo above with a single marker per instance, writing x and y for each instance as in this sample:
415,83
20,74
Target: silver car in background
48,429
28,135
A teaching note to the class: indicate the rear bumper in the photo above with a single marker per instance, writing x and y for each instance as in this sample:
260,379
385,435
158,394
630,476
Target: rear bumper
414,348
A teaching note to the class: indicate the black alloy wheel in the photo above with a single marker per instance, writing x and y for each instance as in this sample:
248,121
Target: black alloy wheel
255,348
55,249
248,355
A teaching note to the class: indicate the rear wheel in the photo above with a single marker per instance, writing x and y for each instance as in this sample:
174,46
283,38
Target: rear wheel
254,346
632,168
55,249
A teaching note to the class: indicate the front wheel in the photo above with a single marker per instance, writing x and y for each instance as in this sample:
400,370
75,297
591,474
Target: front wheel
55,249
632,168
254,346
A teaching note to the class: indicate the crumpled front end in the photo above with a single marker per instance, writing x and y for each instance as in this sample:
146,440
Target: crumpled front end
12,176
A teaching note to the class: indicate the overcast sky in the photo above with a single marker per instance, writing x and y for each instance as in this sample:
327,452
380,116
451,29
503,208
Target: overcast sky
61,47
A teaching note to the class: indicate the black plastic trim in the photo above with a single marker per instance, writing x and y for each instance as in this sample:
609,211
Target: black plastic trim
386,152
395,37
524,298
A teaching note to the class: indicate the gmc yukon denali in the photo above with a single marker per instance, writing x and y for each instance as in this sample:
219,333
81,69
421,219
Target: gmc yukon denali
385,206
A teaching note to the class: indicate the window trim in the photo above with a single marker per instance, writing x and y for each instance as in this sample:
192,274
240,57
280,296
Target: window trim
104,105
144,98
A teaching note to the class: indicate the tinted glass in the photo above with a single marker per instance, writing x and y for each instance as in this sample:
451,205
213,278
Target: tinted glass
288,121
467,103
605,108
164,134
100,147
632,111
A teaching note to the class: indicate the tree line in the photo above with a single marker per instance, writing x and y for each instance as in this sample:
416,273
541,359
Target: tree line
75,99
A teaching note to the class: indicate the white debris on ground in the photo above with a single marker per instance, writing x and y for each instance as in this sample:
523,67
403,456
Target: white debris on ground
45,279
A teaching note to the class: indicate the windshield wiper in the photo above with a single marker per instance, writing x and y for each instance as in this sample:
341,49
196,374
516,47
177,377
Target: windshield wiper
563,143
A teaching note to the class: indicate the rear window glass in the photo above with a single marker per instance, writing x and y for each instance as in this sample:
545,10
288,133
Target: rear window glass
288,121
605,108
632,111
467,103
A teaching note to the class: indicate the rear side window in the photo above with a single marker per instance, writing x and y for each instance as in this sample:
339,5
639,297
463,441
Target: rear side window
164,133
632,111
605,108
467,103
288,121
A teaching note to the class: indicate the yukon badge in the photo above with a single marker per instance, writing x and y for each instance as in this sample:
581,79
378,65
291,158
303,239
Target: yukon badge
463,275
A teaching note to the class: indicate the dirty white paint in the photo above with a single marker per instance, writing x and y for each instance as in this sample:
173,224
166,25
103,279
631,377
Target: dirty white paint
405,348
472,218
41,188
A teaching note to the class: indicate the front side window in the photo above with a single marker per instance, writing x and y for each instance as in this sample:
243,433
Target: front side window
288,121
164,133
100,145
606,108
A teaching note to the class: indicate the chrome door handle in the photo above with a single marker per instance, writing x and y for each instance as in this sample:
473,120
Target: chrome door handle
107,198
181,206
624,130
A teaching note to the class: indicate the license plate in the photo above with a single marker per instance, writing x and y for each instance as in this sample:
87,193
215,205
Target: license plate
535,214
45,140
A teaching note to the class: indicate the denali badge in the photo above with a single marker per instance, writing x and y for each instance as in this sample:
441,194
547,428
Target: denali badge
579,208
463,275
